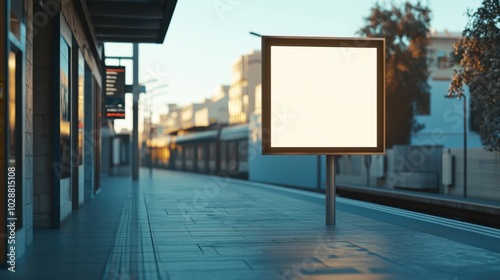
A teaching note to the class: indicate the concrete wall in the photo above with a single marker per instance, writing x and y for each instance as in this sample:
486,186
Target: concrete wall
43,64
418,168
46,39
350,170
88,143
300,171
483,174
28,130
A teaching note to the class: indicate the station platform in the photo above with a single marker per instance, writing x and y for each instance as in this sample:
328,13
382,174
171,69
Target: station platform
177,225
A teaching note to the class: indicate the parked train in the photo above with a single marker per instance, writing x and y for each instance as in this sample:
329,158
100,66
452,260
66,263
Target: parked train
235,151
220,150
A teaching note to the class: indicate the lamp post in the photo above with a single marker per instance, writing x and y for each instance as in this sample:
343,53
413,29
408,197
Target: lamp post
255,34
148,131
465,138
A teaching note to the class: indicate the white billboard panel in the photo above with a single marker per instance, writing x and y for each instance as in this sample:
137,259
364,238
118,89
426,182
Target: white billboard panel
323,96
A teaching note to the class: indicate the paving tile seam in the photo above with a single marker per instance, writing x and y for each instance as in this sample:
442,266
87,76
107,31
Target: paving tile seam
123,262
106,269
153,242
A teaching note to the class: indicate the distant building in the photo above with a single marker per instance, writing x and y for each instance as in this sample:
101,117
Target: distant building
246,76
171,120
210,111
215,109
443,117
188,115
230,104
258,99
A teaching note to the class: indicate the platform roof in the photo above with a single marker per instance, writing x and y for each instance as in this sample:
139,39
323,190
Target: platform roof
130,21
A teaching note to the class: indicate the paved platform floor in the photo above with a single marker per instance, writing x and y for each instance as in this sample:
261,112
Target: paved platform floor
188,226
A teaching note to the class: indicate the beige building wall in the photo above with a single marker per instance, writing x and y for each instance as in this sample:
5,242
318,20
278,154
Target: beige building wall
188,117
246,76
173,121
208,112
258,99
218,106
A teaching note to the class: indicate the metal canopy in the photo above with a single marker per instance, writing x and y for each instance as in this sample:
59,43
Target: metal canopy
131,21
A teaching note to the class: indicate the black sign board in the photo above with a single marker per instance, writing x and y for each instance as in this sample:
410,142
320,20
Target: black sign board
114,93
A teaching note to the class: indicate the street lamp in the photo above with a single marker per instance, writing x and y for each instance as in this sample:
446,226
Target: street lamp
148,131
465,138
255,34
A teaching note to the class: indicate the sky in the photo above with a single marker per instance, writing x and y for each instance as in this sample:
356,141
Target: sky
206,37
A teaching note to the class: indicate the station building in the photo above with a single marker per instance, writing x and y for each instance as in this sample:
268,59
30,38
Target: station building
52,76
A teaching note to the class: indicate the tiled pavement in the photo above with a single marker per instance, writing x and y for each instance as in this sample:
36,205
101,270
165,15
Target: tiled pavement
187,226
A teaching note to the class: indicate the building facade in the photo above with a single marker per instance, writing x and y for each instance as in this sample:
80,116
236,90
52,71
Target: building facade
443,118
209,112
214,110
246,76
51,80
52,103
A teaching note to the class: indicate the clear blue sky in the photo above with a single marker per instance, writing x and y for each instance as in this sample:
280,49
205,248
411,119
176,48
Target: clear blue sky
206,37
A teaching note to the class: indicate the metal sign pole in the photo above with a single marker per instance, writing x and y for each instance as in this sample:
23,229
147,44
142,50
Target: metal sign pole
135,117
330,190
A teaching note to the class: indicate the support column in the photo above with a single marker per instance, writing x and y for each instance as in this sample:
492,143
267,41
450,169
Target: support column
330,190
135,121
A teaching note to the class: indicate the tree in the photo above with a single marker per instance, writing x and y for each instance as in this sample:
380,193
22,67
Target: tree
405,30
478,54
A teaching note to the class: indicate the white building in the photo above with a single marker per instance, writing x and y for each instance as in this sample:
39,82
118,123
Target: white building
172,120
246,76
443,117
209,111
230,104
215,109
188,117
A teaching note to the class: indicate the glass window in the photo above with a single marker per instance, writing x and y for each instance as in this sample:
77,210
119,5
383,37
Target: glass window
223,151
232,151
12,108
201,155
243,150
81,109
15,129
211,154
442,60
64,111
424,105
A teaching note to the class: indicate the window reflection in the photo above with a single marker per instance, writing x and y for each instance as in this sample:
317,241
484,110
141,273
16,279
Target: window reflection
12,108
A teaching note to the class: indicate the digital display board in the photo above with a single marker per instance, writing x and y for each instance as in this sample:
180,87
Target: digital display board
323,95
114,93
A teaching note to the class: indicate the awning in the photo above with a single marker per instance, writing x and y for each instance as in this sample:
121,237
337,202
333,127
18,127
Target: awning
236,132
205,136
129,21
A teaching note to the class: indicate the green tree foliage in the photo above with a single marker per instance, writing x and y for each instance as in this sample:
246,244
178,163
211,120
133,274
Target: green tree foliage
478,54
405,29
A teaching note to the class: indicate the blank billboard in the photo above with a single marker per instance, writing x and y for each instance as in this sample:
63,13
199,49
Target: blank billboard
323,95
